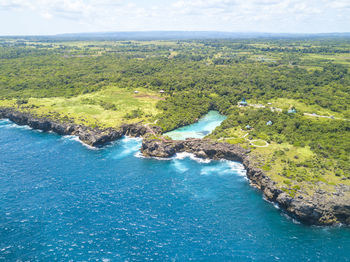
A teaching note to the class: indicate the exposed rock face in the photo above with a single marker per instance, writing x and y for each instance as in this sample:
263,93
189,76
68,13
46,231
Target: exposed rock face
200,148
138,130
318,209
91,136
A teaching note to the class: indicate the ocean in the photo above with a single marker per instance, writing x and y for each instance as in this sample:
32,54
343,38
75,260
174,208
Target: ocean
61,200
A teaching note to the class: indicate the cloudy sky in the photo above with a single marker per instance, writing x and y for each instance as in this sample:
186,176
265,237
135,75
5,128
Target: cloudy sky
18,17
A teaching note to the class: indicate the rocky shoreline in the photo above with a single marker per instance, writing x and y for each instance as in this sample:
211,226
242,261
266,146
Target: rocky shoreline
95,137
320,208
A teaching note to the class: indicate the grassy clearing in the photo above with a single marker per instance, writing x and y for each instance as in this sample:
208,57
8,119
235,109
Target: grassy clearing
288,165
285,103
292,167
107,108
343,59
259,143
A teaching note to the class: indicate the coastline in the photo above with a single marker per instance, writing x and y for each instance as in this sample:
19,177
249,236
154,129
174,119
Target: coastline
94,137
319,209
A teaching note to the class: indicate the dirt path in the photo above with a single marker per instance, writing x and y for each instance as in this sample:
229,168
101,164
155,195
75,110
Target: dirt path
273,109
252,143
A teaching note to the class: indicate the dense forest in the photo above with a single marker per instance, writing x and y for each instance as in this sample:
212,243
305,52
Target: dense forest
198,75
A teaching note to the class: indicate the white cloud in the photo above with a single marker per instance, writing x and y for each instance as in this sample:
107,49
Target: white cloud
71,9
224,15
340,4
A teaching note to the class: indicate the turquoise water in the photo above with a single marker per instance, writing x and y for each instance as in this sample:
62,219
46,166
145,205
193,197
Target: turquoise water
200,129
60,200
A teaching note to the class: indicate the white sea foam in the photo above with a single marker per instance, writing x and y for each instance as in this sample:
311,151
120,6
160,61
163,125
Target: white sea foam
130,138
179,166
223,167
125,152
212,170
238,168
126,146
13,125
184,155
76,138
275,205
291,218
4,121
139,155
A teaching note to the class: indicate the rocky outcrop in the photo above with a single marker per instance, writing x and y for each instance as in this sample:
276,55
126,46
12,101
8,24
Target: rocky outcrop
320,208
91,136
199,147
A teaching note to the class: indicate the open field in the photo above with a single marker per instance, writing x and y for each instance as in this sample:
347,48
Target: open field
92,109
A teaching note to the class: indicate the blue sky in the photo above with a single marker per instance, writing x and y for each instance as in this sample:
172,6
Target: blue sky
28,17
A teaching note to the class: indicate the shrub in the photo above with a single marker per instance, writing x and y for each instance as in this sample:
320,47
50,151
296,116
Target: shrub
134,114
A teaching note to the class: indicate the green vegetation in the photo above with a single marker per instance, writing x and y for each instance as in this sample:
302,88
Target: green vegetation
107,83
302,149
109,107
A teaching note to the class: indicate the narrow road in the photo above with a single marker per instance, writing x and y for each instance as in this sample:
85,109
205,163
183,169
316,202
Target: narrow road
273,109
329,117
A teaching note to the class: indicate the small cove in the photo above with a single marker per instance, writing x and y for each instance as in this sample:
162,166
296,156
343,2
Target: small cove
200,129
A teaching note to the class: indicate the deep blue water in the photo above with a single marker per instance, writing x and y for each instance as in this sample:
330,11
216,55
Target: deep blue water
60,200
200,129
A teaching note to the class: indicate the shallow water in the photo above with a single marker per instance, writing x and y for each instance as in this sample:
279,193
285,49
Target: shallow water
200,129
60,200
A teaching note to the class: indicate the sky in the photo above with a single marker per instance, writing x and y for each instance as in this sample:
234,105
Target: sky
49,17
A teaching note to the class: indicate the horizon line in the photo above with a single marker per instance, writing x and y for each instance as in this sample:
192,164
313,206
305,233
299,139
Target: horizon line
179,31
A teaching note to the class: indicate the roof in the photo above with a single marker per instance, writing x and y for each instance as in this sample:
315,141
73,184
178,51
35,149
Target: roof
243,102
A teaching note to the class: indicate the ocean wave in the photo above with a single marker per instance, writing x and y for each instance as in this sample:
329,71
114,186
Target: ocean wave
10,124
127,139
221,168
139,155
226,167
76,139
184,155
126,146
238,168
275,205
294,221
212,170
179,166
4,121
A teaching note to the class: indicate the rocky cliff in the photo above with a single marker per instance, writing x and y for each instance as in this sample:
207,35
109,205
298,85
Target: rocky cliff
319,208
92,136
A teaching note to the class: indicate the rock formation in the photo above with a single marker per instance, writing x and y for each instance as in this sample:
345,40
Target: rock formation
320,208
91,136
